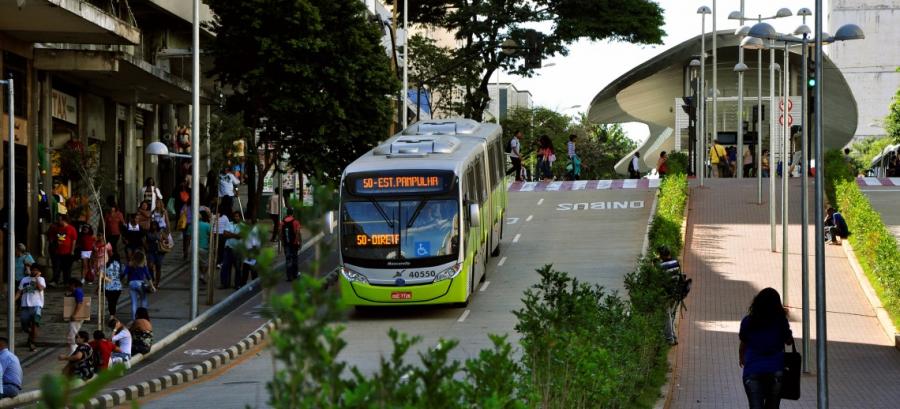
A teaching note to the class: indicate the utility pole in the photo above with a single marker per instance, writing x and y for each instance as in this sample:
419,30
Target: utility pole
10,200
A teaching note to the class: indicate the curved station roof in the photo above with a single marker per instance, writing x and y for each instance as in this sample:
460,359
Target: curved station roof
646,94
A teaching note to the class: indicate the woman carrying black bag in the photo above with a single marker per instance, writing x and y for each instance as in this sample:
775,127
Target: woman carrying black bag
764,333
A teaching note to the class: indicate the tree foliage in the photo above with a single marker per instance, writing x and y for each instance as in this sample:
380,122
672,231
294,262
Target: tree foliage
434,68
310,76
892,122
482,25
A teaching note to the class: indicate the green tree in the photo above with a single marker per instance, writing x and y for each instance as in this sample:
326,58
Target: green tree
892,122
310,77
482,25
600,148
434,69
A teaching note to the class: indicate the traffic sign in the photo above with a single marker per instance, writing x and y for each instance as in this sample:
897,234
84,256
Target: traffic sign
781,105
790,119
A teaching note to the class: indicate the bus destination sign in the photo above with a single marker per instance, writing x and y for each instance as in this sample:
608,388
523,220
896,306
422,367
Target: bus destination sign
400,184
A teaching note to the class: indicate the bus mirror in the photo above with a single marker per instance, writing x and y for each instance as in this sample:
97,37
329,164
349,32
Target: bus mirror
474,215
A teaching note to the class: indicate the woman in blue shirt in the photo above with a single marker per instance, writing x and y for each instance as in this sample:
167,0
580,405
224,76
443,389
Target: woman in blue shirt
113,286
139,281
764,333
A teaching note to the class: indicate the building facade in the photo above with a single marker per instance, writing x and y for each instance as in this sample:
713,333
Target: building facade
505,97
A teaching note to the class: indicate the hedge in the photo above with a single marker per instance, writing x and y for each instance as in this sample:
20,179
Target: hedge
874,246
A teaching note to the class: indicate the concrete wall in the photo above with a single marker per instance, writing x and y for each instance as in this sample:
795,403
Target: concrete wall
183,9
869,65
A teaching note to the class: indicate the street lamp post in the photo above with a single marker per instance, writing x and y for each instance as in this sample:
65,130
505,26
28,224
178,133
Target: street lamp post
804,187
195,161
11,215
785,172
701,141
715,81
740,68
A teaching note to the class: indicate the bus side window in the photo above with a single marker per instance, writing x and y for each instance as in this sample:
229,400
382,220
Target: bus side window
492,166
480,179
500,159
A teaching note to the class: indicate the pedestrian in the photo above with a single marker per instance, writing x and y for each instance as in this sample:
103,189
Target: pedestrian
150,193
184,223
634,167
141,332
203,229
732,160
718,157
220,227
85,250
546,157
227,189
276,203
765,163
24,261
114,221
12,371
100,255
31,293
140,282
835,227
160,215
144,215
122,339
102,349
133,236
62,238
747,161
77,292
153,240
230,257
515,155
78,362
290,238
764,333
112,286
573,168
251,245
662,164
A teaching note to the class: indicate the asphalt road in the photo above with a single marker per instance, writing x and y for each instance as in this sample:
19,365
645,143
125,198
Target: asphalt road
595,235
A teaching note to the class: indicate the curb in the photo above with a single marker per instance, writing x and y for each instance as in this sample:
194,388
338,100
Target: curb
883,318
184,376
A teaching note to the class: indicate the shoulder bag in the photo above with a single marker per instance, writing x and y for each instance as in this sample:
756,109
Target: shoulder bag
790,381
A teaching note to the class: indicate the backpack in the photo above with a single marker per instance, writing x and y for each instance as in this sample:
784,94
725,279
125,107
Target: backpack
508,147
288,232
679,287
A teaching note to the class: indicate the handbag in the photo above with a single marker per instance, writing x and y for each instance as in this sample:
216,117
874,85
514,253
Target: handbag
147,287
182,220
790,381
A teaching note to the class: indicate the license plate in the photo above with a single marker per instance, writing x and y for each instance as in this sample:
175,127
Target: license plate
401,295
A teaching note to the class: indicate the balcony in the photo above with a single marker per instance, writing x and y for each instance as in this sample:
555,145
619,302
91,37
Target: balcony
64,21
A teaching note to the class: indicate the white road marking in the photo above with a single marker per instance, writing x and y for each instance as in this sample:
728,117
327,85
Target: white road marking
528,186
872,181
464,315
175,368
512,220
554,186
629,183
604,184
202,352
895,181
530,216
654,183
540,202
502,260
485,285
579,185
879,190
516,239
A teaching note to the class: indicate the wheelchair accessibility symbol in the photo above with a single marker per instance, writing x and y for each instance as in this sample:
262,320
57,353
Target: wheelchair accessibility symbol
423,248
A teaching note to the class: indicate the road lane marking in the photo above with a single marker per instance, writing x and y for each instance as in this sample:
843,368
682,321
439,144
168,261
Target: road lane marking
579,185
528,186
512,220
203,352
516,239
653,183
879,190
464,315
502,260
530,216
872,181
540,202
629,183
895,181
604,184
554,186
485,285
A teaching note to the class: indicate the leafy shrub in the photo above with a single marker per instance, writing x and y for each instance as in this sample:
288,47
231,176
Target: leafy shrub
875,247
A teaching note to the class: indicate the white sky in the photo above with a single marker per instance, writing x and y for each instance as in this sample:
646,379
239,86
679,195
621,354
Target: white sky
589,67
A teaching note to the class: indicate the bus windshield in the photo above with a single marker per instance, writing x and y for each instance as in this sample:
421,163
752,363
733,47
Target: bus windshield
400,229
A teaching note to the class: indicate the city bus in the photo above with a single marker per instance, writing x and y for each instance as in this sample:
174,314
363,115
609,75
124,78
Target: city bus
420,213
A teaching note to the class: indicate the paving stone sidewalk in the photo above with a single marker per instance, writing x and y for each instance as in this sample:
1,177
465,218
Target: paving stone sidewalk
729,257
169,309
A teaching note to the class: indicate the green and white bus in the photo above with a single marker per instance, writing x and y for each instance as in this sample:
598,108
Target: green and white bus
420,213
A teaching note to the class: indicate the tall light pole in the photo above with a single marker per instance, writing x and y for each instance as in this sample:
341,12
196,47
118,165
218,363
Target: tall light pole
715,81
785,172
740,68
406,64
804,187
701,141
10,200
195,162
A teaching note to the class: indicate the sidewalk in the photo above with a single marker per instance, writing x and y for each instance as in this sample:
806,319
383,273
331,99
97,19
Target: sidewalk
169,309
728,255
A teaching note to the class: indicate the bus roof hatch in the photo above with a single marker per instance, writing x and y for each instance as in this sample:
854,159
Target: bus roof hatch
414,145
456,126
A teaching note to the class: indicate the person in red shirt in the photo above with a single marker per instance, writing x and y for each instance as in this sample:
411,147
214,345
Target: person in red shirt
114,221
290,237
85,249
62,237
104,347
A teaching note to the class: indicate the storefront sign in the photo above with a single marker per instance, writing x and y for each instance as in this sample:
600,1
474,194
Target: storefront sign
64,107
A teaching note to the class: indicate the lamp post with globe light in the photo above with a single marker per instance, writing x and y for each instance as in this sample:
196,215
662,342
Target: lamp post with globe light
701,102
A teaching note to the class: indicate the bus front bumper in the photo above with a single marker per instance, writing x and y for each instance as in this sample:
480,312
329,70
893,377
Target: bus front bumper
443,292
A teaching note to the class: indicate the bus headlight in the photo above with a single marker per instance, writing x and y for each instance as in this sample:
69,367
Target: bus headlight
449,273
353,276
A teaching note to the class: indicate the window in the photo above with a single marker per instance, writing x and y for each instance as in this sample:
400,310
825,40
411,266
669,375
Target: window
500,159
480,178
492,164
16,67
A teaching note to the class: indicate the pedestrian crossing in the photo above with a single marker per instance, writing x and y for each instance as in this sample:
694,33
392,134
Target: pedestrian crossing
870,181
567,186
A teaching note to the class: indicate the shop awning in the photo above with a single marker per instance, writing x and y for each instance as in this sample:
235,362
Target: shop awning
64,21
120,76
